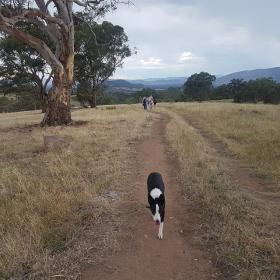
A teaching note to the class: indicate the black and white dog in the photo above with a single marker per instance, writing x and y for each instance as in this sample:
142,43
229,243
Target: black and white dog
156,200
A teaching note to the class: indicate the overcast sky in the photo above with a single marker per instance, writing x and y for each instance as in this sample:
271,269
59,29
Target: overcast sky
181,37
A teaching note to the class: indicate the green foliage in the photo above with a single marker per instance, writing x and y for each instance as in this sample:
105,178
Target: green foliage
221,92
22,67
236,86
272,96
198,86
100,50
19,61
4,103
87,97
261,90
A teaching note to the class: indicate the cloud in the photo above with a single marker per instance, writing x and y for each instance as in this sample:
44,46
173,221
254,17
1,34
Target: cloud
186,56
190,58
151,61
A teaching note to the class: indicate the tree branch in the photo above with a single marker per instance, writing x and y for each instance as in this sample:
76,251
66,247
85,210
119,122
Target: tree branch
35,43
98,2
34,14
93,33
86,3
42,6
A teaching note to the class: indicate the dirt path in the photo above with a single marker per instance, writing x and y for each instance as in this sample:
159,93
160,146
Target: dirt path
239,172
143,256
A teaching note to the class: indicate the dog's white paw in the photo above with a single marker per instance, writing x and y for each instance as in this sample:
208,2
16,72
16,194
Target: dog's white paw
160,235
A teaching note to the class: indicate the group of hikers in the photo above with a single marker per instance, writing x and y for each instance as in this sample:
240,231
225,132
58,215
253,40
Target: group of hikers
149,102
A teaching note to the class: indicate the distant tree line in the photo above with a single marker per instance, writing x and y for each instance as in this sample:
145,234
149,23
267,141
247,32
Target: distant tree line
263,90
199,87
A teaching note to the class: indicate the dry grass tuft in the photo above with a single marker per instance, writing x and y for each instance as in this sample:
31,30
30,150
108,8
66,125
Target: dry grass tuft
48,197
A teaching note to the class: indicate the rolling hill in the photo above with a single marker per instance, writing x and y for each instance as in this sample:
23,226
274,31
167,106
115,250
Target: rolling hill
159,84
123,84
273,73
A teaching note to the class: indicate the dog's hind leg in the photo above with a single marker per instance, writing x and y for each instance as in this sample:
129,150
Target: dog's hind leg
160,231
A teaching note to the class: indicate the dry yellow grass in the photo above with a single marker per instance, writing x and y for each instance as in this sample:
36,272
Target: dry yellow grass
46,197
250,131
243,232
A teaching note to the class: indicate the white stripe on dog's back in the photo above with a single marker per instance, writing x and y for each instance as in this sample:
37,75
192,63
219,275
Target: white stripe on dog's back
155,193
157,208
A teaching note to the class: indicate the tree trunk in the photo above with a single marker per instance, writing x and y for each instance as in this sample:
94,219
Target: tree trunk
44,103
92,101
42,99
58,107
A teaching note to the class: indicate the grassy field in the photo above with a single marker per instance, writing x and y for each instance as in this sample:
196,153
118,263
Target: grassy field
48,197
242,231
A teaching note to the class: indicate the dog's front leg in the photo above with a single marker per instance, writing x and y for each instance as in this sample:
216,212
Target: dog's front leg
160,231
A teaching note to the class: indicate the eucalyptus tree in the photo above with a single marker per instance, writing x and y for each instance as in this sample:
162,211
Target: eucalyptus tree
198,86
100,50
55,18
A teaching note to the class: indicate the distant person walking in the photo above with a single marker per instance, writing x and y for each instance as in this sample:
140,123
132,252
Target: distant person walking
150,103
155,101
144,102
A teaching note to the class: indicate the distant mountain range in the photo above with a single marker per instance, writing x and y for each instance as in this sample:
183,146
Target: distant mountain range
273,73
120,84
134,85
164,83
161,82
